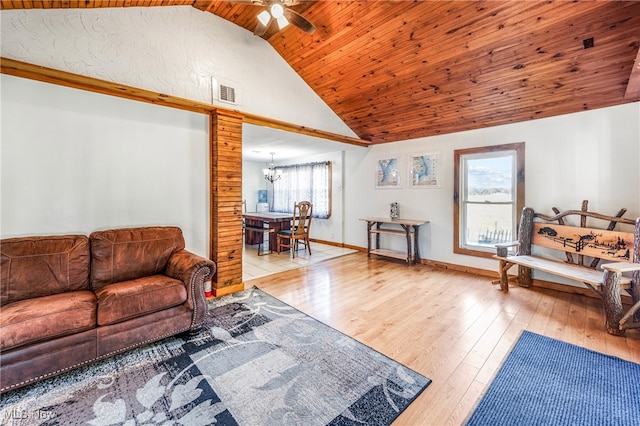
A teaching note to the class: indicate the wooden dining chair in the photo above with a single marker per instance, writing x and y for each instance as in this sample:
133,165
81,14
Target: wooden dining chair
300,226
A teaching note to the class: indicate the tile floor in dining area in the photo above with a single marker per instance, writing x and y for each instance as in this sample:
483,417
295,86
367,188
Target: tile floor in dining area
254,266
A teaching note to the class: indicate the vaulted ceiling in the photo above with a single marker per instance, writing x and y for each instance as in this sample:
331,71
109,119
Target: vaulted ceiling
396,70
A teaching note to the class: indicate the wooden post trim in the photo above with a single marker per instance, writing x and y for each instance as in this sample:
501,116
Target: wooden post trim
225,184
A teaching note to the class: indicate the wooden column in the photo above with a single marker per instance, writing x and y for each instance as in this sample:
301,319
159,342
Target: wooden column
226,200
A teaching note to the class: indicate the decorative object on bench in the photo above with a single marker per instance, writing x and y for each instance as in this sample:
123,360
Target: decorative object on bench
584,247
68,300
300,226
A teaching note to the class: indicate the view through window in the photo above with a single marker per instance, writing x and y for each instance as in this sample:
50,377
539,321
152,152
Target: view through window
489,196
304,182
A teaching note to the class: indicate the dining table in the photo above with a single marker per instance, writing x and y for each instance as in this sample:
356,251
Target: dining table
274,220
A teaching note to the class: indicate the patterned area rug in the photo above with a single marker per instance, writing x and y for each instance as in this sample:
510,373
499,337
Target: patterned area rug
258,362
544,381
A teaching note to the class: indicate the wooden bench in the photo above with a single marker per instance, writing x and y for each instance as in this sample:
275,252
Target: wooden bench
584,247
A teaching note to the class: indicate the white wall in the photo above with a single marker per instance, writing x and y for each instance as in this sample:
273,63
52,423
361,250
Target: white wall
76,161
252,181
590,155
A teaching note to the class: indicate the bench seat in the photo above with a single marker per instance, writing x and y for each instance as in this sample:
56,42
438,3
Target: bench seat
567,270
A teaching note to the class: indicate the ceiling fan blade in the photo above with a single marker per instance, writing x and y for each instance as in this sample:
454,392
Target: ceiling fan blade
299,21
261,29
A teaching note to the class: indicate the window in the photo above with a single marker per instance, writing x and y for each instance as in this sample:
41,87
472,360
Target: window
488,197
304,182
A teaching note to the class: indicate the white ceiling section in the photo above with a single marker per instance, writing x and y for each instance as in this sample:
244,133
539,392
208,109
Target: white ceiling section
258,142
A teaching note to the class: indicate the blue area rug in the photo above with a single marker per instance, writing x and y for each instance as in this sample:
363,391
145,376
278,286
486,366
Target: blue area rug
258,362
545,381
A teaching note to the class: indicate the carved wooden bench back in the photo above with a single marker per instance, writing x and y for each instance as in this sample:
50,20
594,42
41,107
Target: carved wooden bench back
597,243
582,245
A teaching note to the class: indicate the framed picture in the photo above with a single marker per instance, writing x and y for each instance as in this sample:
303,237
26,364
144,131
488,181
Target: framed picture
424,170
387,173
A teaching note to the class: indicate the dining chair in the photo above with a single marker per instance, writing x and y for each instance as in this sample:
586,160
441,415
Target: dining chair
299,232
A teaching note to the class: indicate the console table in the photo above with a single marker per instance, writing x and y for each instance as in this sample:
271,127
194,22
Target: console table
409,229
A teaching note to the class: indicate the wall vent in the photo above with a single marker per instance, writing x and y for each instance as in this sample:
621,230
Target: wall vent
227,94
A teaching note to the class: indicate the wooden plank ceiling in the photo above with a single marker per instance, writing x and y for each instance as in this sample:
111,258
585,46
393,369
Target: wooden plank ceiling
396,70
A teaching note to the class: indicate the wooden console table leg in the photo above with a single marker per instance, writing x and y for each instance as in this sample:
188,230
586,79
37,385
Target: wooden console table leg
407,234
369,226
612,302
416,256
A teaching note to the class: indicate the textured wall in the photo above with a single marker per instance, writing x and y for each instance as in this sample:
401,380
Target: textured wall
172,50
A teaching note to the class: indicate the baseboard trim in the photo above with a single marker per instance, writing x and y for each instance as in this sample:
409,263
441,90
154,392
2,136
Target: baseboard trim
336,244
223,291
460,268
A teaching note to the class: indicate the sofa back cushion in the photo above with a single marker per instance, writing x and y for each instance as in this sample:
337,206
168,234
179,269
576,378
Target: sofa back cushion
43,266
129,253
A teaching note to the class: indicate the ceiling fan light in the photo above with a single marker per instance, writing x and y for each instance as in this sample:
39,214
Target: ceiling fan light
264,17
282,22
277,10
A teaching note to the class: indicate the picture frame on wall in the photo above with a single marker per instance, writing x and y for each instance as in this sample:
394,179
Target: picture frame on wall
425,170
387,173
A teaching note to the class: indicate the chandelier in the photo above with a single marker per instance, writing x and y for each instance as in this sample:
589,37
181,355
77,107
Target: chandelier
272,174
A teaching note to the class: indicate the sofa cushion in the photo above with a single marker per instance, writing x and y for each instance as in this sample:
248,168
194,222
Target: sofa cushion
135,298
42,266
129,253
44,318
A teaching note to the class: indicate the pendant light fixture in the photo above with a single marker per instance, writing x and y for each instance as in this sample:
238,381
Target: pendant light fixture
272,174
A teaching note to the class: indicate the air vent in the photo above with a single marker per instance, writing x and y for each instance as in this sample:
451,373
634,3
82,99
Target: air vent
227,94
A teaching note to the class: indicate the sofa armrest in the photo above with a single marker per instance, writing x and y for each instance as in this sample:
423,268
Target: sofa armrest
193,271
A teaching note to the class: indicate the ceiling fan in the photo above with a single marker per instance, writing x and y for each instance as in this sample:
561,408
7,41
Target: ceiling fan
280,12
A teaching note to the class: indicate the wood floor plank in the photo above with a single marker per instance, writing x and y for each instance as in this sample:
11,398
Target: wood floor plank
453,327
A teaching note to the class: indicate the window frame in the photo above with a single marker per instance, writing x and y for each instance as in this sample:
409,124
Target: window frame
519,187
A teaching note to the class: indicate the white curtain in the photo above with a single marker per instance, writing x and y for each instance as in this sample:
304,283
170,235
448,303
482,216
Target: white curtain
304,182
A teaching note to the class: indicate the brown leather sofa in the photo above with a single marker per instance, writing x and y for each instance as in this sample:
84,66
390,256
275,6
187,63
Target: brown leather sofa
70,300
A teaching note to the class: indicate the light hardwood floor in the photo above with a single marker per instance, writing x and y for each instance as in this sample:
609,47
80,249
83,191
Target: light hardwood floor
254,266
453,327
